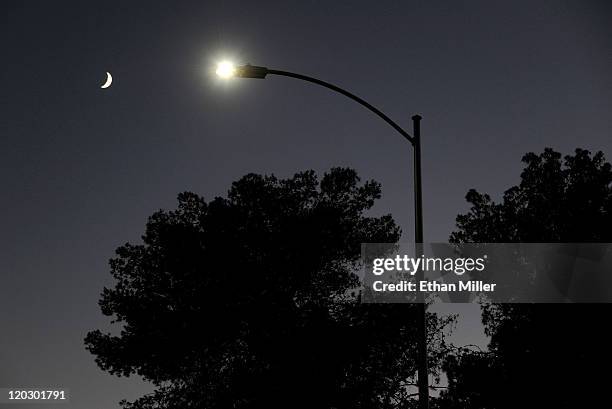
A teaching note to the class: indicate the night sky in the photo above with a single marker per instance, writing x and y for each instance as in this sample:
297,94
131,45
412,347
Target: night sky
82,167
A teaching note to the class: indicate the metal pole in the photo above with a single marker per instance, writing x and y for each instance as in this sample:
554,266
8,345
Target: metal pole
422,371
345,93
249,71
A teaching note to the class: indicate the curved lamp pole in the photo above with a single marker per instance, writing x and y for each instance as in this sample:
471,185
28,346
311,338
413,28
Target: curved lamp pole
252,71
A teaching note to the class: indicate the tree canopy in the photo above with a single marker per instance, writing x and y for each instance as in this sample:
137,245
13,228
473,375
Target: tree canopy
547,355
251,300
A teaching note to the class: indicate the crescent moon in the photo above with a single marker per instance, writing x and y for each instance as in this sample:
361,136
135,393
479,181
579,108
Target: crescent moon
109,80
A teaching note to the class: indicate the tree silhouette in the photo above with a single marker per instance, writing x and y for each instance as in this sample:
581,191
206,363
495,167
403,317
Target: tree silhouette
546,355
250,301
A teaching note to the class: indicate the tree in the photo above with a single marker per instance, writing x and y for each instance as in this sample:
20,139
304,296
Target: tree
251,301
554,355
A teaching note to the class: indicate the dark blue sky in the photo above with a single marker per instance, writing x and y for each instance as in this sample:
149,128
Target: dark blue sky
82,168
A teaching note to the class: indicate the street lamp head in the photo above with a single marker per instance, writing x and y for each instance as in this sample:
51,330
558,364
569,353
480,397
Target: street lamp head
226,69
251,71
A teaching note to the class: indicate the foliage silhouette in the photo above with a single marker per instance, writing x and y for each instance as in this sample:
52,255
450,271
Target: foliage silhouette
249,301
542,355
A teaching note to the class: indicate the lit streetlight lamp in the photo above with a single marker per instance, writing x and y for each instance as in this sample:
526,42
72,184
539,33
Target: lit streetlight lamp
227,69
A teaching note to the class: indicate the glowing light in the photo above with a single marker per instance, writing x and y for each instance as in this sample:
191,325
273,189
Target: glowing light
226,69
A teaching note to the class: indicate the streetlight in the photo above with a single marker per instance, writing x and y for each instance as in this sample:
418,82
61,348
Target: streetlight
226,69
